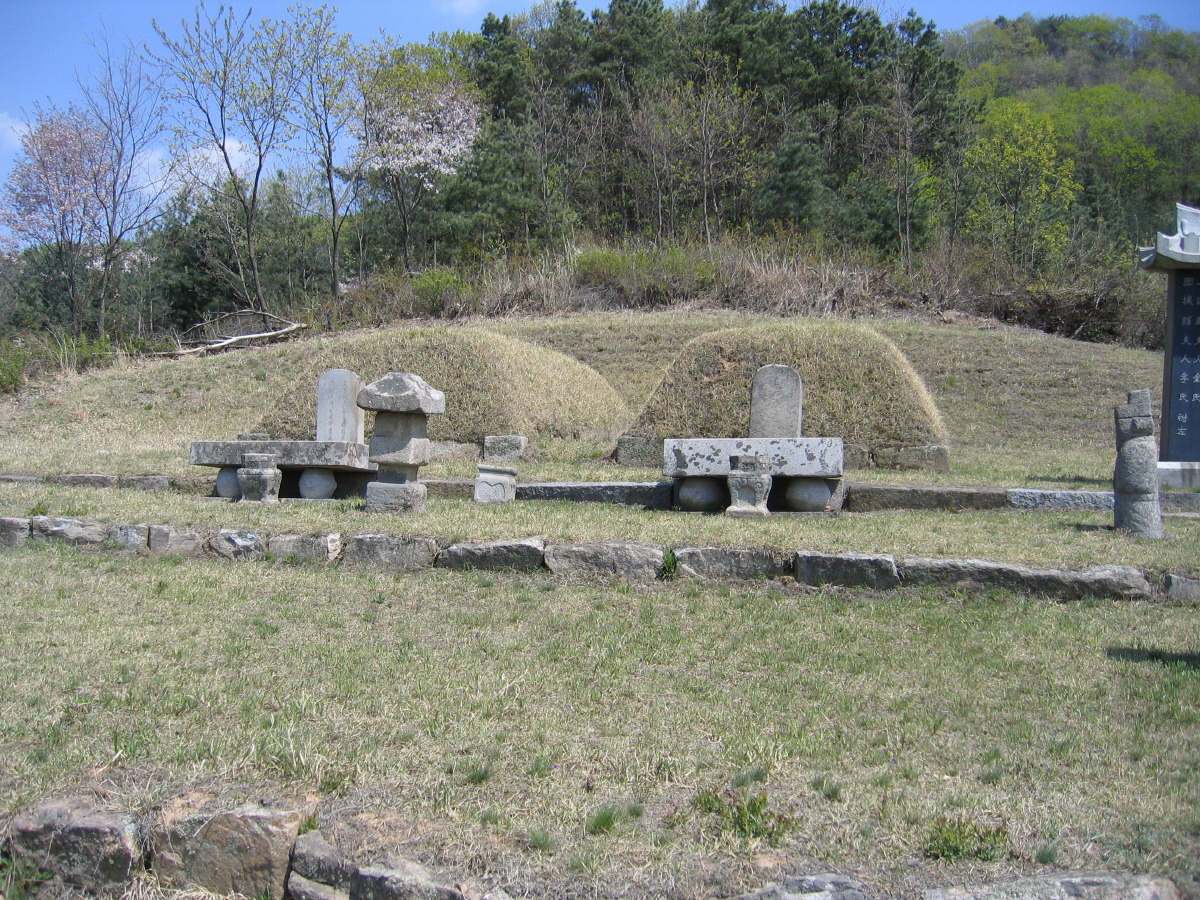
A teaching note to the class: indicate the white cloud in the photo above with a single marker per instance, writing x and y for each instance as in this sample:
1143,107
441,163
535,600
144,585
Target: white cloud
10,133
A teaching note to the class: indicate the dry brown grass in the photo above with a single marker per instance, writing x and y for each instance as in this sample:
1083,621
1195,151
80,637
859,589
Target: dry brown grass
857,385
494,384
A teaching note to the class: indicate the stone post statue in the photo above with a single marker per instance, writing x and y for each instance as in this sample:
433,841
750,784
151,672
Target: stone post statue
1136,507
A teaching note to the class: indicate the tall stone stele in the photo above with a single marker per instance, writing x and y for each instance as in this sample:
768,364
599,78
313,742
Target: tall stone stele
1136,507
403,403
1178,255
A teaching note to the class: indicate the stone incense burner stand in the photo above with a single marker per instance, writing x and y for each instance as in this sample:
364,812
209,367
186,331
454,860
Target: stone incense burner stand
403,403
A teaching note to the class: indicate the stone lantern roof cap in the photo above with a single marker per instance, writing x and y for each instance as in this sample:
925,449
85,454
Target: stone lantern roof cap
1175,251
402,392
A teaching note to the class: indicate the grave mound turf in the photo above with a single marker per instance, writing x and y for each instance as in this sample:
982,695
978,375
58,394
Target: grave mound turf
494,384
857,386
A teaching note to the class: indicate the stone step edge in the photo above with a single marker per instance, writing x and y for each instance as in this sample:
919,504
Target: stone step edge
629,560
861,496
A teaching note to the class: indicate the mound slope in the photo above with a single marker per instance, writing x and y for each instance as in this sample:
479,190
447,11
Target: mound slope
494,384
857,386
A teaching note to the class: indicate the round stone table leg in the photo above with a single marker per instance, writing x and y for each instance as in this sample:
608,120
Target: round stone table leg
317,484
227,483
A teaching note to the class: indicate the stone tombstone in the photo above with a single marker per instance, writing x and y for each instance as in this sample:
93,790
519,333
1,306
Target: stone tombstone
1178,255
776,403
339,417
1136,507
403,403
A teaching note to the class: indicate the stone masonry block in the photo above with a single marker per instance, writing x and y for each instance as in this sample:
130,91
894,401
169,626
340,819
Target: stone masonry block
94,849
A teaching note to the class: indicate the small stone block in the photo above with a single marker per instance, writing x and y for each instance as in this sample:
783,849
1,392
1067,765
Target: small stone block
1185,590
628,559
400,880
230,543
145,482
97,481
408,497
869,570
96,850
314,858
301,888
14,531
396,551
402,392
526,555
71,531
167,541
722,562
504,447
320,548
131,538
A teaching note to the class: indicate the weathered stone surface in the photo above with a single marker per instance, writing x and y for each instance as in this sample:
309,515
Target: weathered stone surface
776,403
1065,886
32,479
228,485
749,487
505,447
320,548
625,559
1135,475
339,417
408,497
400,880
809,457
301,888
14,531
317,484
405,552
449,488
453,451
166,540
400,439
722,562
812,887
702,494
340,455
1027,498
259,478
866,497
495,484
1100,581
402,392
1185,590
231,543
932,458
314,858
145,482
1136,469
869,570
72,531
131,538
525,555
1182,476
97,481
648,494
636,450
1139,514
241,851
856,456
94,849
809,494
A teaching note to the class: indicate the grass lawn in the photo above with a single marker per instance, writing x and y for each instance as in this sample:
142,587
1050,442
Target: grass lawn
667,740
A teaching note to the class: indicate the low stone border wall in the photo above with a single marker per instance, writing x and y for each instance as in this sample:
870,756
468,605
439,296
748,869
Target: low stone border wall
860,496
270,850
628,560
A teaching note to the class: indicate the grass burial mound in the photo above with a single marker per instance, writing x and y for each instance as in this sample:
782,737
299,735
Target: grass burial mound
494,384
857,386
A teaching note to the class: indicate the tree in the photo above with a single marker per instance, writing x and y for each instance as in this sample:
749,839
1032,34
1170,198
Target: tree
50,196
330,98
418,123
234,86
126,107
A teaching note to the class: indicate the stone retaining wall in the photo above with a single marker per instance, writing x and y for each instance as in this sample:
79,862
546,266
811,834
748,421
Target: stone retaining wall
627,560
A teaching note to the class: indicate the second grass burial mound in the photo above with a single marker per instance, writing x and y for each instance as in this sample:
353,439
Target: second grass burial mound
493,384
857,386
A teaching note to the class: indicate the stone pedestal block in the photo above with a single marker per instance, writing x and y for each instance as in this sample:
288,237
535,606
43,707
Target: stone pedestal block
259,478
749,487
504,447
495,484
407,497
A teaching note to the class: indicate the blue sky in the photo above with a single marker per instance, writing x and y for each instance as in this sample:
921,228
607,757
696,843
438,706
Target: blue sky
43,43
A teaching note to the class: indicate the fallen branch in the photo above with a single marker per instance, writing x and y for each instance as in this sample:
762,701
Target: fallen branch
226,342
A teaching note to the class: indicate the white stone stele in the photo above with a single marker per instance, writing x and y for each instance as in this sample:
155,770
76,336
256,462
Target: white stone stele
787,457
495,484
776,403
339,417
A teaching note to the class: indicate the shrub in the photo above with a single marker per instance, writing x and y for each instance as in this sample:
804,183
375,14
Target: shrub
953,839
13,359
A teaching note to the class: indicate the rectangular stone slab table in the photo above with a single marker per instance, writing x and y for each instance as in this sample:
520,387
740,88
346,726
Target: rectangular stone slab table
345,462
808,469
